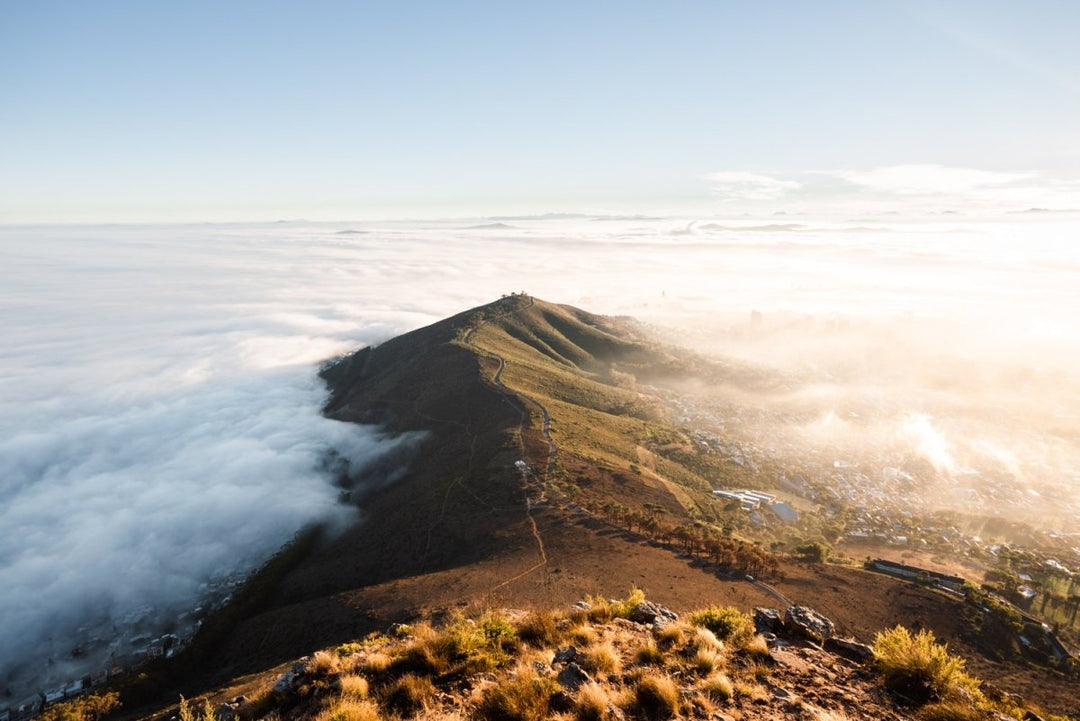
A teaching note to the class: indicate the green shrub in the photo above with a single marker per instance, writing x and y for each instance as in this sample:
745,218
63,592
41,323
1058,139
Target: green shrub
727,623
91,707
921,669
603,610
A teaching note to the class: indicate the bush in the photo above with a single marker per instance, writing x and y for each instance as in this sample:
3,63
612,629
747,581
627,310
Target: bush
525,698
919,668
815,551
91,707
603,610
728,623
657,697
186,714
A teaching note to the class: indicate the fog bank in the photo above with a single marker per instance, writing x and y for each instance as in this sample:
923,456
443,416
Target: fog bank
160,421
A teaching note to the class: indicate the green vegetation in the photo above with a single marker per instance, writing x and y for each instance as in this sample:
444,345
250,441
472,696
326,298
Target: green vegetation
815,551
727,623
91,707
920,669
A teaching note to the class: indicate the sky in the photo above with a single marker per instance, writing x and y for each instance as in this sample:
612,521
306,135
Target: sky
124,110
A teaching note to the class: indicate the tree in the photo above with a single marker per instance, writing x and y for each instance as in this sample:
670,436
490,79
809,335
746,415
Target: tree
815,551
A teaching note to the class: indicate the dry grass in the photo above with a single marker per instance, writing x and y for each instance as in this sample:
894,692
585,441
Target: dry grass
648,654
705,661
656,697
718,687
376,663
950,711
540,629
526,697
671,634
324,663
583,635
591,703
756,646
703,638
354,686
350,710
750,691
408,695
601,658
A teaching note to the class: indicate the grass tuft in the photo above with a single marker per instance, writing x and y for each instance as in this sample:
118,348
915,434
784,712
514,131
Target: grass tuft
354,686
718,687
350,710
657,697
527,697
601,658
648,654
409,695
591,703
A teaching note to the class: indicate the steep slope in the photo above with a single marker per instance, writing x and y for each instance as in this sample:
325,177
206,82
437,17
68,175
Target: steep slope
614,497
459,524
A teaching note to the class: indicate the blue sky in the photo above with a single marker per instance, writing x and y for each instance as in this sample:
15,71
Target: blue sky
125,110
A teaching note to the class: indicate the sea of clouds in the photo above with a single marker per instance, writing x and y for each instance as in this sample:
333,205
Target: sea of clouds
160,423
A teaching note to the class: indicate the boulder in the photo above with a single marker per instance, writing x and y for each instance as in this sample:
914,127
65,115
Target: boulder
807,623
652,613
850,649
572,677
768,620
565,655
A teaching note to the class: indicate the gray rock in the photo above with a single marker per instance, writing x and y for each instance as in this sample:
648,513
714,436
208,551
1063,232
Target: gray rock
652,613
572,677
768,620
565,655
284,688
808,623
850,649
582,606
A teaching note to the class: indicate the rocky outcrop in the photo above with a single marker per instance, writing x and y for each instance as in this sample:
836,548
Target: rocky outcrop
768,620
804,622
651,613
850,649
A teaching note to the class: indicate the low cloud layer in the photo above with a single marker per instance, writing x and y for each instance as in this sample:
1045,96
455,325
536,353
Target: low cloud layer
913,188
160,425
